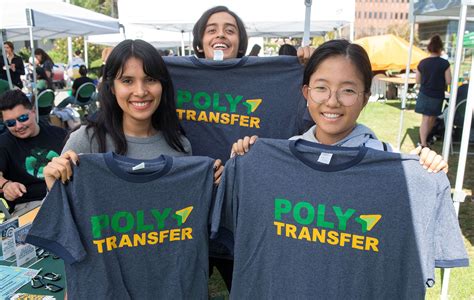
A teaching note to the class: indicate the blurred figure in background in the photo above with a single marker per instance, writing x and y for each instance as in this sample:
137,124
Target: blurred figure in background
16,65
433,74
287,49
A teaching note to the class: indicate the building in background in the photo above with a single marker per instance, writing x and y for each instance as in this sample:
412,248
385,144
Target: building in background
376,17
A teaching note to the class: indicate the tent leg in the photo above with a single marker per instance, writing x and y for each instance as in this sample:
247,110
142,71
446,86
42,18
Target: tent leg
454,84
407,72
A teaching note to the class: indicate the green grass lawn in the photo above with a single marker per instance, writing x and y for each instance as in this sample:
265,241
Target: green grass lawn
384,120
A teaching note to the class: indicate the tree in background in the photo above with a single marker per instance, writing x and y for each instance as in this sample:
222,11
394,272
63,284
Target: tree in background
59,52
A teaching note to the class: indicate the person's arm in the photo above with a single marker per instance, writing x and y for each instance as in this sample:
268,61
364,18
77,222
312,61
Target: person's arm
418,77
447,76
19,66
11,190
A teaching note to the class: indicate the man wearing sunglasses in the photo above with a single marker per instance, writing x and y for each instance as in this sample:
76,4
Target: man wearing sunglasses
25,148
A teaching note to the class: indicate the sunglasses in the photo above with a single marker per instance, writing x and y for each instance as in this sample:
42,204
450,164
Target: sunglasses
22,118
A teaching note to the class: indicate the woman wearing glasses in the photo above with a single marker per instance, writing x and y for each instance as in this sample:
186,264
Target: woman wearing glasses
336,86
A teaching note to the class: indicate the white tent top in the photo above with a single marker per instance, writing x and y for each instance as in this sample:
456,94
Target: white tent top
262,17
158,38
51,19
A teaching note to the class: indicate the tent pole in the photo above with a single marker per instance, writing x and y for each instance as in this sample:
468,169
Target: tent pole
182,43
307,22
407,72
5,62
459,195
86,52
29,13
454,83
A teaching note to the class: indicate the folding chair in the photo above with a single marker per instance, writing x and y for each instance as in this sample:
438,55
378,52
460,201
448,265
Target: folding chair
45,101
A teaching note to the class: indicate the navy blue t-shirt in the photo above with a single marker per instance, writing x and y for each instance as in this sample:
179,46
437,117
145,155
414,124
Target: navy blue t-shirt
219,102
432,71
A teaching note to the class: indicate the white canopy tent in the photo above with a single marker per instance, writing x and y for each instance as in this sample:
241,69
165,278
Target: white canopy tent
447,8
51,19
264,18
158,38
47,19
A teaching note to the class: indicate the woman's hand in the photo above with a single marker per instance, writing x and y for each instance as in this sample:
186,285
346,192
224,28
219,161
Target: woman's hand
60,168
242,146
430,160
218,170
304,54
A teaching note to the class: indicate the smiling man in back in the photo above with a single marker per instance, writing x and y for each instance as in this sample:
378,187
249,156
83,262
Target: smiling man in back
24,151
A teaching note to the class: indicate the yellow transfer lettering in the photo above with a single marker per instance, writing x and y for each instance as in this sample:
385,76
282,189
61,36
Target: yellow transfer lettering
100,245
163,235
174,234
111,242
304,234
371,244
187,233
190,115
254,122
125,241
344,238
278,225
152,238
290,229
319,235
358,242
333,238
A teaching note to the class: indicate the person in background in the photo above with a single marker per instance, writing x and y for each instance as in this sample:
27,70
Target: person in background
255,50
433,74
15,63
75,86
287,49
44,61
43,82
75,64
25,149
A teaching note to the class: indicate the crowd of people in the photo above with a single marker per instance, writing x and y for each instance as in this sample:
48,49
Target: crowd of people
137,118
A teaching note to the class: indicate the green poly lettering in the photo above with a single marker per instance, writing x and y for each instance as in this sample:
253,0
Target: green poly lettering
297,213
215,104
98,223
197,103
141,226
129,221
320,222
178,218
282,206
183,96
343,217
233,102
160,217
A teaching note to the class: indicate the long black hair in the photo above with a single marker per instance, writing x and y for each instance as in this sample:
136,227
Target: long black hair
44,55
110,116
200,27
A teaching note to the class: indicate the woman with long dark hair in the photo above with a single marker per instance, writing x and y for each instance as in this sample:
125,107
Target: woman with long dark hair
137,116
45,61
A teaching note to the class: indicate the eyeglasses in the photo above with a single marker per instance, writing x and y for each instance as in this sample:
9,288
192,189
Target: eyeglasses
345,96
22,118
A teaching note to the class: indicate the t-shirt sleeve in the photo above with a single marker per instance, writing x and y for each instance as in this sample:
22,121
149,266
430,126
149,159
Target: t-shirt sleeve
54,228
450,251
79,141
223,220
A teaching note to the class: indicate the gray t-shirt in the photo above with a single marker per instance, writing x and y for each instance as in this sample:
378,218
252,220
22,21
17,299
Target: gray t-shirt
219,102
316,221
81,141
131,234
